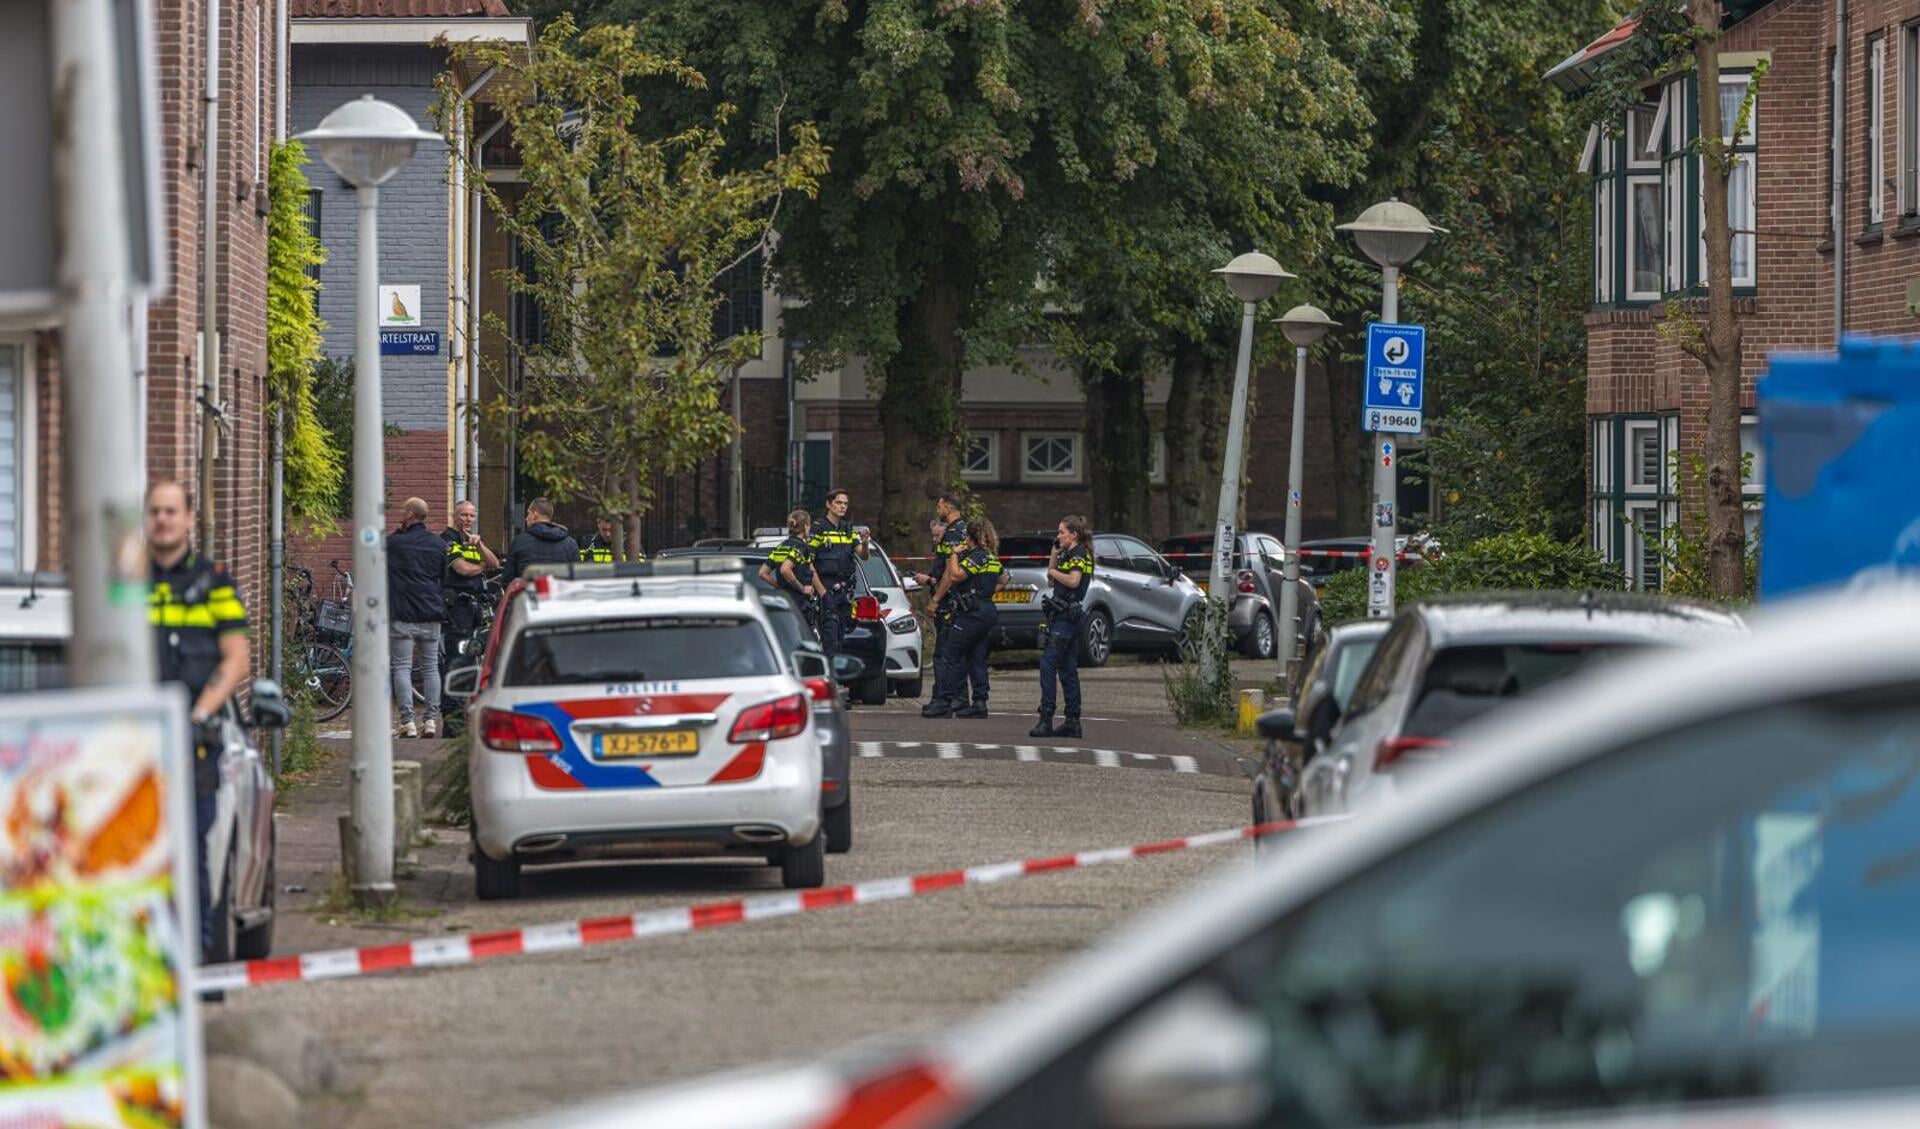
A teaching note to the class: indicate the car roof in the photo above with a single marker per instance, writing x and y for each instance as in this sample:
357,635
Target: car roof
1359,631
1817,645
1489,618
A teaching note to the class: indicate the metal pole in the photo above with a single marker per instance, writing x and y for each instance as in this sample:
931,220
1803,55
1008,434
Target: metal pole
1289,594
1225,533
277,562
106,554
1385,521
372,816
736,500
210,281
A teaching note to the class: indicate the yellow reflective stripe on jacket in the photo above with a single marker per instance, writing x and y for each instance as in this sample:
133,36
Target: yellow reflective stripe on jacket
464,551
1075,564
596,555
222,610
981,568
834,537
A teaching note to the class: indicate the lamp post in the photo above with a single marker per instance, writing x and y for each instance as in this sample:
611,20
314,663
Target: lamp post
1303,326
366,141
1253,277
1392,234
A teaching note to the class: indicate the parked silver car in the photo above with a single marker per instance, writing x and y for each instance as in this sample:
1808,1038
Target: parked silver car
1259,576
1139,600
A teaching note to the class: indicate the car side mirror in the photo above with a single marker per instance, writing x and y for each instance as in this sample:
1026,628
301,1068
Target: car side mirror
1195,1058
846,668
461,683
810,663
1277,724
268,706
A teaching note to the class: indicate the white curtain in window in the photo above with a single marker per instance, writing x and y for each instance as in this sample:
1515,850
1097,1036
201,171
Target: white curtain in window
1645,226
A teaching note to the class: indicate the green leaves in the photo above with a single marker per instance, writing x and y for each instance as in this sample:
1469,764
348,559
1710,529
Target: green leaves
315,464
623,234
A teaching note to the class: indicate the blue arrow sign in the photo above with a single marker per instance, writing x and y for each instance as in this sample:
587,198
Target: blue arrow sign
1396,394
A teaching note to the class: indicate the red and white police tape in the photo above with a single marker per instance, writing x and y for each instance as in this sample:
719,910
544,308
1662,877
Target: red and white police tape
471,948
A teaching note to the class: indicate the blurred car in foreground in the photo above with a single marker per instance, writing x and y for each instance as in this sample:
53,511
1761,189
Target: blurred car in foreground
1698,912
1323,691
1448,661
1259,577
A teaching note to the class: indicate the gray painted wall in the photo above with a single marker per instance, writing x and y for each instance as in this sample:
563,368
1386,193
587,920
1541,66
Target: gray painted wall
413,214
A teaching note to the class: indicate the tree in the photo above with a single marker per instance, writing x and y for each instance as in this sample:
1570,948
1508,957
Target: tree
1669,35
315,468
623,235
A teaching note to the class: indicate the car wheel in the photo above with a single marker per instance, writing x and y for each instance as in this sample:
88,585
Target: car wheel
872,691
256,943
493,880
908,689
839,827
804,868
1260,641
1096,639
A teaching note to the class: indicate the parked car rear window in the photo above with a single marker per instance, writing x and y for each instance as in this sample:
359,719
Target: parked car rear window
878,572
641,650
1463,683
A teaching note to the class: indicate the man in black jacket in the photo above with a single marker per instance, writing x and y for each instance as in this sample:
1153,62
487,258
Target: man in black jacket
542,542
416,572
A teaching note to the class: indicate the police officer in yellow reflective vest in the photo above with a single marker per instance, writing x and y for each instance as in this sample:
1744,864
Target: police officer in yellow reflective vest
835,544
966,595
789,567
598,548
1070,568
200,640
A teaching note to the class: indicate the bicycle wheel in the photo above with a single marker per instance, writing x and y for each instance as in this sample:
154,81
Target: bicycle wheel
321,672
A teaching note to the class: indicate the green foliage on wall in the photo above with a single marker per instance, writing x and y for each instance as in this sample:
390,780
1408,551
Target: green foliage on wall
315,462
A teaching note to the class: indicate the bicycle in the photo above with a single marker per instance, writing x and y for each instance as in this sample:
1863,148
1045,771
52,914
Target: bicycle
315,666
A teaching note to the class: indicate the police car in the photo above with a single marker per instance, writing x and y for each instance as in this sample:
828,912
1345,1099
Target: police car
639,710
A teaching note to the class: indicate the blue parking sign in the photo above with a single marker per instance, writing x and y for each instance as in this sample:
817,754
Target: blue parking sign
1396,393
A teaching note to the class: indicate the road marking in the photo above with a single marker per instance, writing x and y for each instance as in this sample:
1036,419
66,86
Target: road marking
1106,758
948,750
1185,764
1179,763
1026,754
573,936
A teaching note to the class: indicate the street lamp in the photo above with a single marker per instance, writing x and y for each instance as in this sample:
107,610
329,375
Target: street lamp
1253,277
1392,234
1303,326
366,141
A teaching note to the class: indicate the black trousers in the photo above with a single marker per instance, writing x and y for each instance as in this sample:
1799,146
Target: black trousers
836,612
962,655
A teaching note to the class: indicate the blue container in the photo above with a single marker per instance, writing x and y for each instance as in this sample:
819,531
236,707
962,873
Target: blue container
1841,436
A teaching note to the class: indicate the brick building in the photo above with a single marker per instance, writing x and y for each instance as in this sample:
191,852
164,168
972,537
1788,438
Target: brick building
1827,187
397,50
167,333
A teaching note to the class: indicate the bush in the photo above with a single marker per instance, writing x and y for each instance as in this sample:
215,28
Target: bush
1200,687
300,747
1507,562
450,787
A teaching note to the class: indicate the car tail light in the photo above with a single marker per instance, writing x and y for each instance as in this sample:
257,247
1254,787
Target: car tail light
820,689
1246,581
517,732
866,608
770,721
1393,748
543,587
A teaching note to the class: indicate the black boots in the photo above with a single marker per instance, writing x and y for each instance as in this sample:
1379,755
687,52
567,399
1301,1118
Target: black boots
1068,728
977,709
1044,729
939,707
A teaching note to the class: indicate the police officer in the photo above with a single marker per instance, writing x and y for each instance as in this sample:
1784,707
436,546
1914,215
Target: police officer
1070,568
973,575
469,559
789,567
598,548
835,544
200,637
949,531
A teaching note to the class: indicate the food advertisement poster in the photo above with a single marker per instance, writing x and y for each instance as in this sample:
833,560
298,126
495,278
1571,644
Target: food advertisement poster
98,1026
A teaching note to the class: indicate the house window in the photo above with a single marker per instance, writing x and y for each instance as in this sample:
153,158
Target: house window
742,300
313,229
1643,455
1740,182
1909,118
1674,191
1645,239
980,462
16,471
1051,455
1644,540
1876,130
1157,459
1633,495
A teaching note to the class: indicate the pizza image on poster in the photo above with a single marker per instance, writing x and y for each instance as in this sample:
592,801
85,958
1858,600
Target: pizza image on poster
98,1027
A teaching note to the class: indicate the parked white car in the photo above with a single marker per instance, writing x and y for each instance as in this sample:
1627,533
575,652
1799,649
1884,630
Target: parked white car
902,628
1683,894
639,711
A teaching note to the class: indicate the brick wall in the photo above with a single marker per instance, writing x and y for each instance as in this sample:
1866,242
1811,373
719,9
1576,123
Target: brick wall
416,465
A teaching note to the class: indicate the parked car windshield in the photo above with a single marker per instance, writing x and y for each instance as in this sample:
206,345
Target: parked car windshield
1463,683
641,650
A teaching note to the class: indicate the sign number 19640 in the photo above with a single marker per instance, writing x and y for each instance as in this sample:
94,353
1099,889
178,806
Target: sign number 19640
1406,423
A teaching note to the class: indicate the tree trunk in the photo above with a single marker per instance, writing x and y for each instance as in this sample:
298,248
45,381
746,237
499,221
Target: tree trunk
1721,341
1197,405
1352,457
1119,445
920,403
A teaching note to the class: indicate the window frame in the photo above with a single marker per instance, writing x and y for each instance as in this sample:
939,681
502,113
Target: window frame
991,473
1629,268
26,454
1028,439
1631,431
1875,85
1747,153
1642,555
1907,191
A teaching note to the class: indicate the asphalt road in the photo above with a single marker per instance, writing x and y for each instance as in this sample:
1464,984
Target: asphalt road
522,1035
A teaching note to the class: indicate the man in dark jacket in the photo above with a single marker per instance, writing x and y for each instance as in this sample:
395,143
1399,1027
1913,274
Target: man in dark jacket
416,573
542,542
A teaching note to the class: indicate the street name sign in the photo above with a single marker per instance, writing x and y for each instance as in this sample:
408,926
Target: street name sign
1396,397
